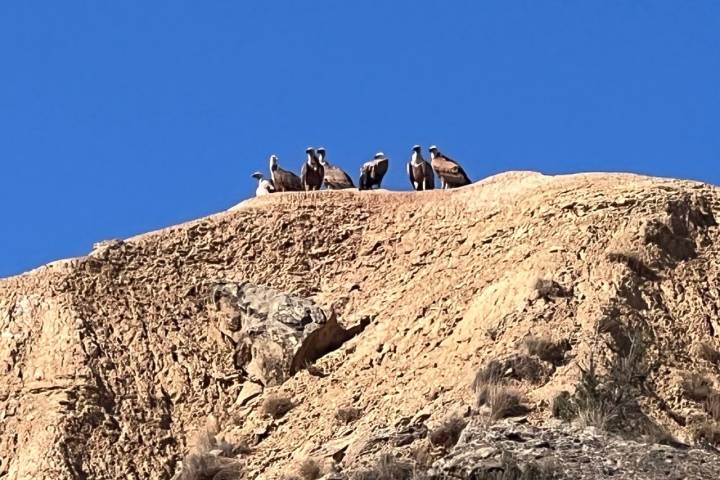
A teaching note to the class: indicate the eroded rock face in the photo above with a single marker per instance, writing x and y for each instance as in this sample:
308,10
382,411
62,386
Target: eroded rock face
275,334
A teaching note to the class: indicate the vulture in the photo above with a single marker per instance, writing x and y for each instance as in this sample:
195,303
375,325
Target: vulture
312,172
450,172
264,186
372,172
283,180
335,177
419,171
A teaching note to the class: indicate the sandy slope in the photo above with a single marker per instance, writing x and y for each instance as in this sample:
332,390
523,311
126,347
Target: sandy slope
109,360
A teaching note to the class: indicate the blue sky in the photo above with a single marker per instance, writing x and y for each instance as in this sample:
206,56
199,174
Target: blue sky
122,117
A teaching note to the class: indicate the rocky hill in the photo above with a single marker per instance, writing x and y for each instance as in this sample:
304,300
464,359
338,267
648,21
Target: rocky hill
551,327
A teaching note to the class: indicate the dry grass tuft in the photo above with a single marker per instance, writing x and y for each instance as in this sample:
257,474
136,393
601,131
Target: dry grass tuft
387,467
504,402
707,433
563,407
518,367
447,434
510,469
696,387
201,464
310,469
547,350
277,405
712,406
708,353
347,415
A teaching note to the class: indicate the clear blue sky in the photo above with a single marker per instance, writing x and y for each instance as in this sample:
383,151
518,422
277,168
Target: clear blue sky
122,117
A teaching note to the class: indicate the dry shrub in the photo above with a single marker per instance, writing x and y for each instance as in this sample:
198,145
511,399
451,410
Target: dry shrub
707,433
549,288
696,387
447,434
504,402
518,367
387,467
510,469
347,415
310,469
546,349
712,406
708,353
200,464
563,407
277,405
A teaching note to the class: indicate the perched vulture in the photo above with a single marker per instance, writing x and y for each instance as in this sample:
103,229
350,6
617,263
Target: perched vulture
372,172
419,171
264,186
335,177
450,172
283,180
312,172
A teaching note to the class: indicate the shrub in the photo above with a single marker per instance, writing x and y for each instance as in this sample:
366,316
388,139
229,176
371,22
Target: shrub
712,406
199,464
708,353
277,405
447,434
707,433
510,469
547,350
563,407
504,402
310,469
347,415
518,367
696,387
387,467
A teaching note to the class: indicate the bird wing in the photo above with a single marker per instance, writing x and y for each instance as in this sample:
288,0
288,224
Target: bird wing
336,177
289,180
450,170
429,174
410,175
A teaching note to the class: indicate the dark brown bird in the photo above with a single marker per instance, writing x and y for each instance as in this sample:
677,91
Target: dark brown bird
312,172
284,180
335,177
419,171
372,172
450,172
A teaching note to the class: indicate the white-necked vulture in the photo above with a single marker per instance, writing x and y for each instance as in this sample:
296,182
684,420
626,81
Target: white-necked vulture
372,172
335,177
283,180
419,171
312,172
265,186
450,172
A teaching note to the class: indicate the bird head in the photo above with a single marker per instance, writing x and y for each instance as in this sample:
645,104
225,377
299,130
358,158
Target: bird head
321,155
257,175
273,162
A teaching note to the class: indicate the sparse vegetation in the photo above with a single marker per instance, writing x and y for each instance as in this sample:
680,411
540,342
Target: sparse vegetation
201,464
277,405
712,406
510,469
707,433
347,415
546,288
503,401
708,353
387,467
310,469
447,434
604,401
546,349
696,387
518,367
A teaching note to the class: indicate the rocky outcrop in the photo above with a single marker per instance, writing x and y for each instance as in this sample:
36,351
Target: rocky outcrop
275,334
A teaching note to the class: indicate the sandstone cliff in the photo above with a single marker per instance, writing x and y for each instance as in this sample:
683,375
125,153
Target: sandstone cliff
110,362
